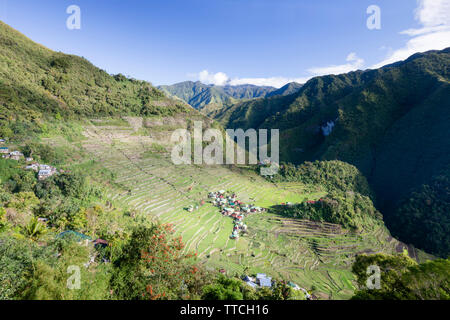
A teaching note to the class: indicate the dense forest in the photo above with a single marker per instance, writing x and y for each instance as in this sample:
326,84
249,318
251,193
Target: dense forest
348,201
402,278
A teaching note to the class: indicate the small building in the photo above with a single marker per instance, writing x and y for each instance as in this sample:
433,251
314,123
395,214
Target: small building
28,159
15,155
100,243
43,220
44,174
264,281
2,141
34,167
45,167
4,150
76,236
248,278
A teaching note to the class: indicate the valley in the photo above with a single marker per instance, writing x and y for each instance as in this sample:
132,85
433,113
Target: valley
364,177
311,254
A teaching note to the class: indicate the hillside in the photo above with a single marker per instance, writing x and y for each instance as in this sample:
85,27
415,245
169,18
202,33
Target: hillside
391,123
285,90
36,82
209,98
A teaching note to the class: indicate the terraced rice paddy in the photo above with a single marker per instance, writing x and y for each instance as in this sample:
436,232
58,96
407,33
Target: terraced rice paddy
310,254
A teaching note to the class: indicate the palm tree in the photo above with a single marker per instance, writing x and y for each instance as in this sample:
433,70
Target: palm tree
34,229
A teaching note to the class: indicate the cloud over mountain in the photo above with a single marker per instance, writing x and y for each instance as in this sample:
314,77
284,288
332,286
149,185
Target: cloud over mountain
434,17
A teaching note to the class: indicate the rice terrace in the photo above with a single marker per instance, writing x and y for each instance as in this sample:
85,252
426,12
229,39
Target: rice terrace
312,254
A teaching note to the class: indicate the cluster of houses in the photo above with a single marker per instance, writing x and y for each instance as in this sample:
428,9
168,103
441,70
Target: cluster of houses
231,207
44,171
13,155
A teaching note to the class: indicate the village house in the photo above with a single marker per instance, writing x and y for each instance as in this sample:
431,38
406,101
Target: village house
263,280
2,141
45,167
33,166
44,174
250,281
4,150
16,155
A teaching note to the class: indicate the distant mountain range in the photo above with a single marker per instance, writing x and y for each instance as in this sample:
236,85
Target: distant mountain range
210,98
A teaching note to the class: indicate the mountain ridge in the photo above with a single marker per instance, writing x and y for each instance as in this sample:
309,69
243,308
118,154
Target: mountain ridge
210,98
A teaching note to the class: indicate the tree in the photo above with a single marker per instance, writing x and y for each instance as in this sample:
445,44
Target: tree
402,278
152,265
3,221
49,278
223,289
17,259
34,229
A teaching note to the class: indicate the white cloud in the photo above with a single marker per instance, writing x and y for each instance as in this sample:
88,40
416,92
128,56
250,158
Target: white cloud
434,16
353,63
276,82
218,79
434,34
221,79
432,13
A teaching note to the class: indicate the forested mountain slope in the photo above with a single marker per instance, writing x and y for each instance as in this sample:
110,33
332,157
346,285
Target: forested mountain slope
392,123
37,82
209,98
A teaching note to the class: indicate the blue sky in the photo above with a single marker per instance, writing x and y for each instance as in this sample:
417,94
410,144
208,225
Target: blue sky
233,41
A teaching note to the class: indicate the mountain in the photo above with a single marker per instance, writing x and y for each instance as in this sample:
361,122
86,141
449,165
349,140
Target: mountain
36,82
209,98
392,123
287,89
